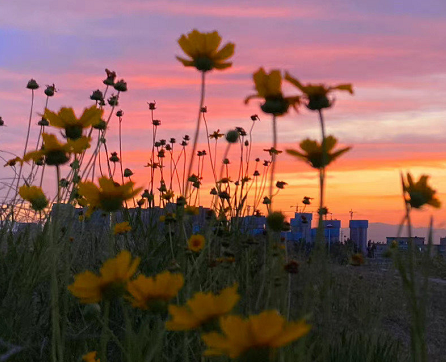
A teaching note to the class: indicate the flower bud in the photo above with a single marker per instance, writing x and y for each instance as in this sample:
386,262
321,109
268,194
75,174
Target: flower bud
156,122
50,90
101,125
232,136
97,95
113,100
114,157
128,172
110,80
120,86
43,122
152,106
2,122
119,113
32,84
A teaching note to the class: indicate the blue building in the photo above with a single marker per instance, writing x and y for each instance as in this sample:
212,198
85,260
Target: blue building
358,234
300,227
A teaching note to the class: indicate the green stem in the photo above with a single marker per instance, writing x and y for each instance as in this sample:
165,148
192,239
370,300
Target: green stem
273,161
197,131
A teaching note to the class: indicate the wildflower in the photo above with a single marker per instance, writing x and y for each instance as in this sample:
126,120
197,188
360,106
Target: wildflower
168,195
419,193
316,154
196,242
317,93
2,122
213,191
12,162
113,100
32,84
202,48
154,292
114,276
256,337
266,200
50,90
122,228
79,145
306,200
66,119
152,105
255,117
272,151
156,122
357,259
53,152
119,113
224,180
269,87
114,157
35,196
43,122
127,172
281,184
204,109
90,357
101,125
232,136
110,80
170,217
201,309
172,140
120,86
256,173
109,196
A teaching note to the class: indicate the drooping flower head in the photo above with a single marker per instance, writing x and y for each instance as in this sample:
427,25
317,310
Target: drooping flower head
202,48
35,196
110,283
317,94
73,126
419,193
154,292
201,309
109,196
269,88
254,338
313,152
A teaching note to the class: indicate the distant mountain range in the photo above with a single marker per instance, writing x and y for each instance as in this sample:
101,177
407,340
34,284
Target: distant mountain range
379,231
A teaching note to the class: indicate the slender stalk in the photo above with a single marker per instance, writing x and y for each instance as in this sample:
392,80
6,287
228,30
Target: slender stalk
273,161
197,131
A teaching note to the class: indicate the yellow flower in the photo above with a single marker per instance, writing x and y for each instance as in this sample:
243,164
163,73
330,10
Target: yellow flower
269,87
66,119
257,335
122,228
79,145
196,242
169,194
90,357
202,48
109,196
201,309
314,152
148,292
419,193
114,275
54,152
317,93
35,196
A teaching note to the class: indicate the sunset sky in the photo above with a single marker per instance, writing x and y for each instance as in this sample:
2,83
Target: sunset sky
392,52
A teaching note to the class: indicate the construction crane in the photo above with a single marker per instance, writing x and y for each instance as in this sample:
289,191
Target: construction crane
351,212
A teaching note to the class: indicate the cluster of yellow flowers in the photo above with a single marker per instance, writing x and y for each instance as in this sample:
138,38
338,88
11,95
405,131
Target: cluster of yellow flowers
226,334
